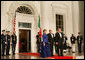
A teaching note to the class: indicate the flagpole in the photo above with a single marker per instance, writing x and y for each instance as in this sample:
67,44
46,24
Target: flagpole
14,21
40,33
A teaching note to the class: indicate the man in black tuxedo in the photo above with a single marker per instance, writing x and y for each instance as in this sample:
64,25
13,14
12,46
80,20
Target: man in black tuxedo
79,42
59,42
51,40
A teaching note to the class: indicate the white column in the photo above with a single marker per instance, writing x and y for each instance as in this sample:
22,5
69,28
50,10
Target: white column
10,27
44,15
75,16
4,16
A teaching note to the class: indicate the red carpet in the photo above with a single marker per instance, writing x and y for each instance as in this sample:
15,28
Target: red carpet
52,57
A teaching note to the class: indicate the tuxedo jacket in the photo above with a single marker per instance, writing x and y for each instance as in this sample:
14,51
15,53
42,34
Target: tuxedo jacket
59,39
50,38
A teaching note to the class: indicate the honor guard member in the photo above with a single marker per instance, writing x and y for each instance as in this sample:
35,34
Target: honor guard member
8,42
14,40
65,43
72,39
79,42
38,42
3,41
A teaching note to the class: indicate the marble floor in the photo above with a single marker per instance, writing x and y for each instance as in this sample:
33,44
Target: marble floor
19,56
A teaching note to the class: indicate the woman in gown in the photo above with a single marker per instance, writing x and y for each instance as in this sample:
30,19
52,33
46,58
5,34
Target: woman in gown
45,47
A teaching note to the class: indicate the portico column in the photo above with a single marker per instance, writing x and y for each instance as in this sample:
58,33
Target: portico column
10,27
10,19
44,15
75,13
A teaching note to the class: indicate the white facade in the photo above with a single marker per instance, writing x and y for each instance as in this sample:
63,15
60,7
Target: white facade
47,11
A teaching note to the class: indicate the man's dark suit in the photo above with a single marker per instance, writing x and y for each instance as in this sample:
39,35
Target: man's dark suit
59,40
51,40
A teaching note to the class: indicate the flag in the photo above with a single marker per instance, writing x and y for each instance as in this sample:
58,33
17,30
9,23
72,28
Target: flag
39,23
40,35
40,32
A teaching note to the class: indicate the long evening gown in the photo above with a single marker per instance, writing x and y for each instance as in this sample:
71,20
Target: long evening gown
45,50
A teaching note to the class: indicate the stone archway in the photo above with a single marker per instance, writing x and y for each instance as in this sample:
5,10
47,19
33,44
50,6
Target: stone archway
11,14
13,7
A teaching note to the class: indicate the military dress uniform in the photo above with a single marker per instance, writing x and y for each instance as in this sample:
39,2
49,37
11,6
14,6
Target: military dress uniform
14,40
38,43
79,42
3,40
65,43
72,39
8,44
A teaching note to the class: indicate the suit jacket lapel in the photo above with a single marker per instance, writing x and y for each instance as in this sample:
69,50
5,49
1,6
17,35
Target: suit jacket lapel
59,34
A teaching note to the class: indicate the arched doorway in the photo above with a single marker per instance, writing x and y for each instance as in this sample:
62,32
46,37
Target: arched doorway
24,29
23,15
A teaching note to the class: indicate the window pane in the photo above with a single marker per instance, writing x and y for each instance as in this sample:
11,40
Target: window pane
24,25
59,22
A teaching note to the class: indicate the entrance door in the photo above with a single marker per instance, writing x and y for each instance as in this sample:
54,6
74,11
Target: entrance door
24,40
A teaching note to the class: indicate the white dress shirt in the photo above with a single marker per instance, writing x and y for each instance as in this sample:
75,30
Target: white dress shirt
52,35
60,35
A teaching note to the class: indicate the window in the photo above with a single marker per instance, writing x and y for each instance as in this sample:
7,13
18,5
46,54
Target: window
24,9
59,21
24,25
